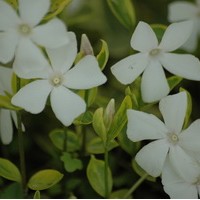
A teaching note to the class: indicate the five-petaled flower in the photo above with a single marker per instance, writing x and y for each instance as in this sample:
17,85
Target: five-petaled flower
57,80
20,35
153,56
185,10
170,140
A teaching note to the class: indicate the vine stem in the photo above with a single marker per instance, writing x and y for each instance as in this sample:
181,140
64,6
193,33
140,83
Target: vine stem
106,171
135,186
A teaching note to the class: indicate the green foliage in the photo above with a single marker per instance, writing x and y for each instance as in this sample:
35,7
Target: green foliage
159,30
71,164
103,55
36,195
173,81
124,11
119,194
44,179
96,176
12,191
9,171
84,119
5,102
13,3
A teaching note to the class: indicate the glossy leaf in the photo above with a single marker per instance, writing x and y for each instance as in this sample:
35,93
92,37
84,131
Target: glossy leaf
173,81
9,171
84,119
103,55
5,102
96,176
44,179
124,11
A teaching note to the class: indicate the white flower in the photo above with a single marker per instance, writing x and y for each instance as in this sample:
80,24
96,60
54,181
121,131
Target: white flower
153,56
6,116
170,140
184,10
178,187
57,80
20,35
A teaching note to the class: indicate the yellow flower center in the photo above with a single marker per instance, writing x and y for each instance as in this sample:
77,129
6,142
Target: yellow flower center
154,52
25,29
173,138
56,79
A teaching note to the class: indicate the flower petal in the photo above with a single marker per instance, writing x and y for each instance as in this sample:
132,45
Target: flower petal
66,105
152,157
154,85
63,57
51,35
33,96
181,10
5,79
144,126
32,12
175,186
183,164
8,17
29,61
185,65
173,109
144,39
6,130
176,35
129,68
85,74
8,44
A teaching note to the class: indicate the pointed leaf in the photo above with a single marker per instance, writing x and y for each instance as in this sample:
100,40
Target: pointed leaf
84,119
36,195
44,179
173,81
5,102
103,55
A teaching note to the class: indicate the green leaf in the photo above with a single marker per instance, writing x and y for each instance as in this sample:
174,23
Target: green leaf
173,81
119,194
96,146
71,164
57,137
96,176
124,11
36,195
44,179
120,118
57,6
13,3
84,119
12,191
5,102
9,171
189,107
103,55
98,124
141,172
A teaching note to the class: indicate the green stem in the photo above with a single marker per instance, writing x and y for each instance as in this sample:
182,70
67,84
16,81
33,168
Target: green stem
65,139
135,186
106,171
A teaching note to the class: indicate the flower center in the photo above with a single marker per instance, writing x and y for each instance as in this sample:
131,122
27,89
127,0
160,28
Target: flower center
56,80
173,138
154,52
25,29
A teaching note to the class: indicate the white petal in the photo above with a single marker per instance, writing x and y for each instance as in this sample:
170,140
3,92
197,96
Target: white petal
66,105
144,126
63,57
176,35
29,60
175,186
183,164
32,12
8,44
181,10
85,74
152,157
154,85
189,138
33,96
8,17
144,39
51,35
129,68
5,79
173,109
184,65
6,127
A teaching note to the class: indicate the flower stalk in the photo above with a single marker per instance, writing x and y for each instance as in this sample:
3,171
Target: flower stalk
106,170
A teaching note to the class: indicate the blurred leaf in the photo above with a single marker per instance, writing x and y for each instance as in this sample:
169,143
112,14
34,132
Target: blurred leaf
120,118
96,176
13,191
57,137
57,6
141,172
159,30
124,11
71,164
5,102
13,3
44,179
36,195
103,55
133,98
96,146
173,81
119,194
189,107
9,171
84,119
